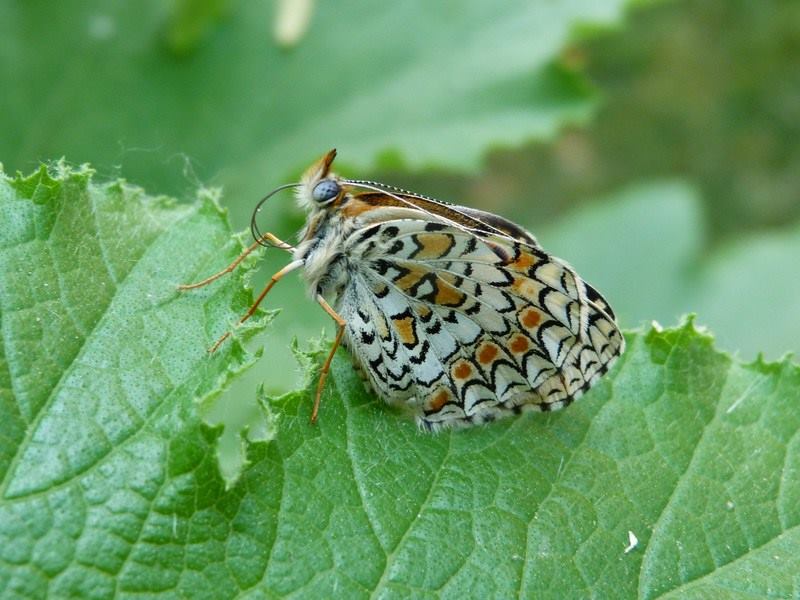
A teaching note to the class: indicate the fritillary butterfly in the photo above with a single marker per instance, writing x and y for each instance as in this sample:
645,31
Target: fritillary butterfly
457,314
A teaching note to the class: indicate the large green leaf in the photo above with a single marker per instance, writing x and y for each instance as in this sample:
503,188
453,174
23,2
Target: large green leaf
110,485
436,82
100,363
693,453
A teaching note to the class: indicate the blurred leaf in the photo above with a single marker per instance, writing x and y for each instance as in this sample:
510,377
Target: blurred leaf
100,364
750,290
192,21
706,90
639,247
435,82
646,249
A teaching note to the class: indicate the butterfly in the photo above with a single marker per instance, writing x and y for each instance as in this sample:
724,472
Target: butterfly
456,314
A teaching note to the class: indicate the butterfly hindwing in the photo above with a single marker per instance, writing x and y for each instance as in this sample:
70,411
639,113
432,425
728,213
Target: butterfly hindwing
487,324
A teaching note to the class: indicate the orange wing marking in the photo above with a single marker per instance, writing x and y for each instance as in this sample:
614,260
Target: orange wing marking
530,318
405,330
433,245
487,354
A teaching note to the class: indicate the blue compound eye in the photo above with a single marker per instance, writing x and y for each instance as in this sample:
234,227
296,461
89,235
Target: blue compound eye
325,190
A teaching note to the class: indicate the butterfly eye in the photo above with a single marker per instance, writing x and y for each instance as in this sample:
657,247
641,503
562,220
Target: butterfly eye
325,190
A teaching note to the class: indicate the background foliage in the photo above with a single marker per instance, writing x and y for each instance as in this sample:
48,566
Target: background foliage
654,146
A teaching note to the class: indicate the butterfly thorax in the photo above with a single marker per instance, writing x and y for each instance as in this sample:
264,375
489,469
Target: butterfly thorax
326,268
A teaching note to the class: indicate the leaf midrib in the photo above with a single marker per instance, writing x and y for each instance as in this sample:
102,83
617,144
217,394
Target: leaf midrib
682,477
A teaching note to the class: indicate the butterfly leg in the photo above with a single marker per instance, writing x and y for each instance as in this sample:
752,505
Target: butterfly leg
295,264
266,237
323,374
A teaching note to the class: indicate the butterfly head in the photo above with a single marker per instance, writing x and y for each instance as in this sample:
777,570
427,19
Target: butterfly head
319,187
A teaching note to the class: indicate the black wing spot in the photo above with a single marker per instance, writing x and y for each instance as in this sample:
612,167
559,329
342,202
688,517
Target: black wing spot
368,234
594,296
420,358
470,247
381,266
473,310
404,314
434,226
509,279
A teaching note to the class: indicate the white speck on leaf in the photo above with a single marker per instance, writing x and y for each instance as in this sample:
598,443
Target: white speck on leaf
633,541
744,396
292,19
102,27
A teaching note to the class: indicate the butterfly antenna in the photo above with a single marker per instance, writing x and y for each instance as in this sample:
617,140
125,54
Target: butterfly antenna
257,235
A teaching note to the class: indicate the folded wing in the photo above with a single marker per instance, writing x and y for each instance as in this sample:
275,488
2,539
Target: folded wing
465,326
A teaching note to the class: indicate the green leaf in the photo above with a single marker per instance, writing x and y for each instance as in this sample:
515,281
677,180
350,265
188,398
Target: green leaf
693,452
110,484
191,21
101,362
434,82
